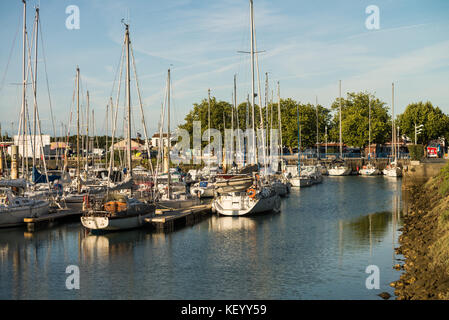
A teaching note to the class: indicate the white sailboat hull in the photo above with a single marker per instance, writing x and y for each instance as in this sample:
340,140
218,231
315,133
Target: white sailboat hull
393,172
340,171
242,205
13,216
301,182
369,172
103,223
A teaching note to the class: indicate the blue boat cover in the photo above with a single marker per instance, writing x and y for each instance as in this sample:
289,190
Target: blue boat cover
41,178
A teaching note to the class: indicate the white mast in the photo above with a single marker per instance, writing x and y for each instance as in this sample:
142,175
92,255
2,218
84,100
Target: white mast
369,127
317,131
393,138
168,134
107,132
341,143
86,172
208,123
128,102
254,156
280,121
35,85
78,129
237,115
23,89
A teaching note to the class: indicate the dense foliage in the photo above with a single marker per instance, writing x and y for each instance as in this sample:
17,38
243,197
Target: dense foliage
355,120
435,122
416,151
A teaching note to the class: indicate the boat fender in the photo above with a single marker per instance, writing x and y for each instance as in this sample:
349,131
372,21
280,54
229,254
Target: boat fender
85,202
251,193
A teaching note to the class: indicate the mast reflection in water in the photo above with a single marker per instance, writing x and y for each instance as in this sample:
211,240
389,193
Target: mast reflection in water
318,247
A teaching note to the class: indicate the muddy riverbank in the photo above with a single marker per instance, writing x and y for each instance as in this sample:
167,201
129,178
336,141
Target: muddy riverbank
425,242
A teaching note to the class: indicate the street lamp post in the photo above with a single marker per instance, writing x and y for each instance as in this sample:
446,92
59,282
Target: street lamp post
418,130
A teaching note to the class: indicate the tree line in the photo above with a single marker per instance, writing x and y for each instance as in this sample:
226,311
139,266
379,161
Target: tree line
355,116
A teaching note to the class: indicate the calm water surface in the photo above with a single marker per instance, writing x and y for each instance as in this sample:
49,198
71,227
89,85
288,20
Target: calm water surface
318,247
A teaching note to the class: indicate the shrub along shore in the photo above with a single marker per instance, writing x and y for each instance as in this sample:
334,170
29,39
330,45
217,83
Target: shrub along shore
425,242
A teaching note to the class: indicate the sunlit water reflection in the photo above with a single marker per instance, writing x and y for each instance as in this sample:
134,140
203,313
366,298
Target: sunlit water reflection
318,247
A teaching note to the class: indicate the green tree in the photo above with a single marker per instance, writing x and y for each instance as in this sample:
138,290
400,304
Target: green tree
436,123
355,120
220,116
307,118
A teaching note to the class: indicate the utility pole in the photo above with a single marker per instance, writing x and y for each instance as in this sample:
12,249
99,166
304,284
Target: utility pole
418,130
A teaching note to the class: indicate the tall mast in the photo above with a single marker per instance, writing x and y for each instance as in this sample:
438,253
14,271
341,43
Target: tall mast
128,102
107,132
317,131
208,113
299,140
266,107
279,118
393,138
237,115
23,88
341,142
271,119
254,156
369,126
168,134
35,85
325,134
78,129
208,123
87,136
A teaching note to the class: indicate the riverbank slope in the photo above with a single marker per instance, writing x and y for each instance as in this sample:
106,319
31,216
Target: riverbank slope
425,241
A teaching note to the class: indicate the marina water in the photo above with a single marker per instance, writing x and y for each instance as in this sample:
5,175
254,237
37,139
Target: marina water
317,247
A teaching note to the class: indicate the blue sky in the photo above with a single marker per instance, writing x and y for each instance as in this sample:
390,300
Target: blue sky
309,46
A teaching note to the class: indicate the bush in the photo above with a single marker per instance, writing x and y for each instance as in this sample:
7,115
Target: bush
416,151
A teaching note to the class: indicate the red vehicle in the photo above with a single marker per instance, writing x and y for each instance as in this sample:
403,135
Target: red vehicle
432,152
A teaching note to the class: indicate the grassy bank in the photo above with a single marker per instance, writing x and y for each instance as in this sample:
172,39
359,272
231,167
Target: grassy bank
425,242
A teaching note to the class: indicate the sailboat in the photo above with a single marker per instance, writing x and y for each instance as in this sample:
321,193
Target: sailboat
15,207
296,177
369,169
119,211
171,194
339,168
239,199
392,169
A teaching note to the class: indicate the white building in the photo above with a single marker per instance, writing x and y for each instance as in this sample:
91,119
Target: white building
26,143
